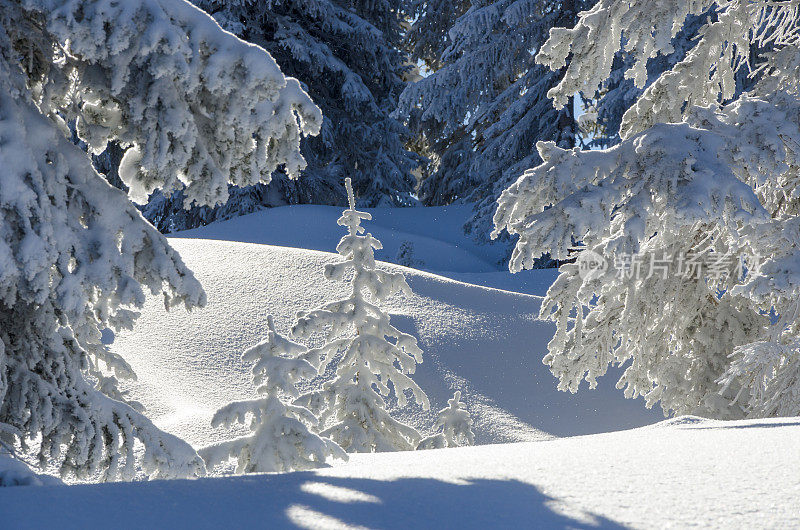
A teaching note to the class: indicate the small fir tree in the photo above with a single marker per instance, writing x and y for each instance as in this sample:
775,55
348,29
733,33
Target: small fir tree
455,424
371,349
281,440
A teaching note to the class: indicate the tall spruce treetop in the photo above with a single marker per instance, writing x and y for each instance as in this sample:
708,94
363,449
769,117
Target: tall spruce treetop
696,212
370,354
193,106
484,107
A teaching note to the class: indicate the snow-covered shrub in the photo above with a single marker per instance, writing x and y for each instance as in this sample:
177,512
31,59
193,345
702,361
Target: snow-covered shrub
455,424
695,212
193,106
281,439
405,256
368,349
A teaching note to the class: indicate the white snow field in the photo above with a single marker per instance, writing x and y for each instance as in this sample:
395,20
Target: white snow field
679,473
435,233
540,461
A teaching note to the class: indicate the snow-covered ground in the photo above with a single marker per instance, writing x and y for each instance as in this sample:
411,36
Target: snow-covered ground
485,342
680,473
482,338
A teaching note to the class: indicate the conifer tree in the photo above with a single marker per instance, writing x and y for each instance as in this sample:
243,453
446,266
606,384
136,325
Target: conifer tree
695,211
481,111
370,354
455,424
281,439
346,55
192,106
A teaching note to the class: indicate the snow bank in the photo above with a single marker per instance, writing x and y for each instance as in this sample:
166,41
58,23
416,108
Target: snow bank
683,472
14,472
430,239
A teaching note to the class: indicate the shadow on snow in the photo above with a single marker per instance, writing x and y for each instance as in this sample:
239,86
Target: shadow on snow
294,500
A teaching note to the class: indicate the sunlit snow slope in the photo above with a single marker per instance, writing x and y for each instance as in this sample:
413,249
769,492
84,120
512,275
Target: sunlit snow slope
485,342
482,341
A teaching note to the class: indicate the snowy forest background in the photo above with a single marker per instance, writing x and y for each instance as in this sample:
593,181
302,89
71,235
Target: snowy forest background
647,150
423,103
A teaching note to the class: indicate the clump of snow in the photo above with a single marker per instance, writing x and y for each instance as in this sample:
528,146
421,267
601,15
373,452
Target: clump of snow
14,472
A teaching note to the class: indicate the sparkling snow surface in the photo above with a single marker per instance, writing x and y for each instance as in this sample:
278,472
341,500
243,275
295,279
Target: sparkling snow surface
484,341
682,472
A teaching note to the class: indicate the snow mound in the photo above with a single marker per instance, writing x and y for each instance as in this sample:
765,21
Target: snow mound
13,472
485,342
729,475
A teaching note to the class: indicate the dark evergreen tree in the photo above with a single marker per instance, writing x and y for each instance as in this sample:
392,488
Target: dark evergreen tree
484,107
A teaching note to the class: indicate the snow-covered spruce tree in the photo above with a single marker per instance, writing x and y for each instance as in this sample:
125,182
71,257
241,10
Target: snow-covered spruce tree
371,353
426,38
193,106
600,125
697,212
484,107
281,439
603,110
345,53
456,425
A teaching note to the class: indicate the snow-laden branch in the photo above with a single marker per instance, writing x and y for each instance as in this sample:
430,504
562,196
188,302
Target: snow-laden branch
729,42
696,225
194,105
197,106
